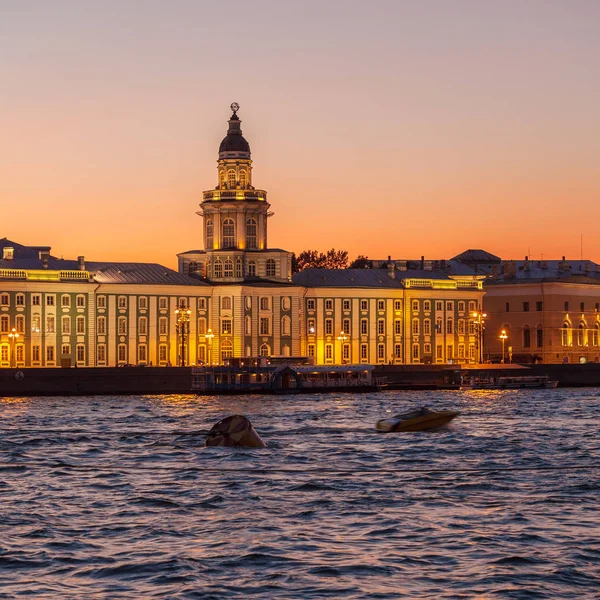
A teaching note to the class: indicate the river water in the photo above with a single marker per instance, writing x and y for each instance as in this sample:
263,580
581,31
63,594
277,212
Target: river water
110,497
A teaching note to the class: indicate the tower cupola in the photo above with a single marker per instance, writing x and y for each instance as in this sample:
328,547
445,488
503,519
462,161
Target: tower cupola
234,145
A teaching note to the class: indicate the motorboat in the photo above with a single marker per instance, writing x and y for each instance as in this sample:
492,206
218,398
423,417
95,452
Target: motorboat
420,419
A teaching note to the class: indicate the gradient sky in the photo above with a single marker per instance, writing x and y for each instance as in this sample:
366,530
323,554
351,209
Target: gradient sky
401,128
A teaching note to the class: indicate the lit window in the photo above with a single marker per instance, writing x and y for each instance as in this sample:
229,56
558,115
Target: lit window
226,326
231,179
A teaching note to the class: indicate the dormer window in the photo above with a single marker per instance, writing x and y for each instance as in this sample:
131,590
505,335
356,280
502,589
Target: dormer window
8,253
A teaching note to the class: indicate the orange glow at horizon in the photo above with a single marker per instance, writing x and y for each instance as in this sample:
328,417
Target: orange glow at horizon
400,130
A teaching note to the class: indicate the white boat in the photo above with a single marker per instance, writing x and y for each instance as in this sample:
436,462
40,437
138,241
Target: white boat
512,382
420,419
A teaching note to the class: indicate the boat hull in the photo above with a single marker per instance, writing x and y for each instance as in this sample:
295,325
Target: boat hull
431,420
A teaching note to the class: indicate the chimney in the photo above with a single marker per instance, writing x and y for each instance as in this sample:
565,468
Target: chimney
392,269
81,263
422,262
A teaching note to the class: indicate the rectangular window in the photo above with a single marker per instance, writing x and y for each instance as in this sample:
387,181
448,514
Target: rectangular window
122,353
50,353
380,352
380,304
65,301
566,306
311,350
415,305
540,338
397,304
328,304
427,306
346,304
122,302
538,306
20,323
143,326
471,305
364,353
201,354
439,352
162,325
415,326
80,301
101,325
449,352
142,353
201,326
508,307
202,303
381,327
143,303
50,300
310,325
364,326
397,327
471,351
415,352
20,353
426,348
364,305
310,304
449,327
66,325
80,353
461,327
439,306
4,353
226,328
122,326
163,302
264,326
525,306
162,353
346,326
581,306
50,327
101,301
101,353
461,351
329,352
20,300
36,299
427,327
449,306
397,351
328,326
80,324
4,299
35,354
461,306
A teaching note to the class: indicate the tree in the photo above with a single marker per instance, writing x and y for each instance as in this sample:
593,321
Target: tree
313,259
361,262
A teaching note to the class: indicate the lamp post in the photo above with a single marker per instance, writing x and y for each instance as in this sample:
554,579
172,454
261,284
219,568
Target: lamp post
13,336
209,338
480,322
342,337
183,319
503,337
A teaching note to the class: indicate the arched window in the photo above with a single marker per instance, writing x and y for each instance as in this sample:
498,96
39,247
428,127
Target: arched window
565,334
228,238
226,349
243,180
265,350
251,269
271,269
285,325
251,233
449,326
248,328
228,272
226,303
238,268
231,179
218,269
438,325
209,234
581,334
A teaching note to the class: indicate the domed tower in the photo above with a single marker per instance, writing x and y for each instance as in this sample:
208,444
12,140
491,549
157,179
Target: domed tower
235,217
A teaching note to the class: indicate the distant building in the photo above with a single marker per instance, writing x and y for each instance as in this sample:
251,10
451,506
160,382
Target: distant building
234,297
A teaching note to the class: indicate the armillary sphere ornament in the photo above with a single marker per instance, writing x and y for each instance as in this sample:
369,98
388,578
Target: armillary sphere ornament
235,107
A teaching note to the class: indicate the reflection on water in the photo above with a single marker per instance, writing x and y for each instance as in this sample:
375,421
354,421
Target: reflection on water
117,498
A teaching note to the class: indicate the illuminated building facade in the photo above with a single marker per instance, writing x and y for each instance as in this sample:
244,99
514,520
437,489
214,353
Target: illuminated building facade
238,296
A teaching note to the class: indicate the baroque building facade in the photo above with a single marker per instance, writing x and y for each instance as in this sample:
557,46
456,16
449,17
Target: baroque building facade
238,296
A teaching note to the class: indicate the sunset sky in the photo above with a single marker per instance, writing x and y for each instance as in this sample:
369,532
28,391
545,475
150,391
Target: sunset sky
401,128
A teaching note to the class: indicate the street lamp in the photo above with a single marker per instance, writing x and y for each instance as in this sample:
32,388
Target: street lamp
503,337
342,337
13,336
183,319
209,338
480,322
